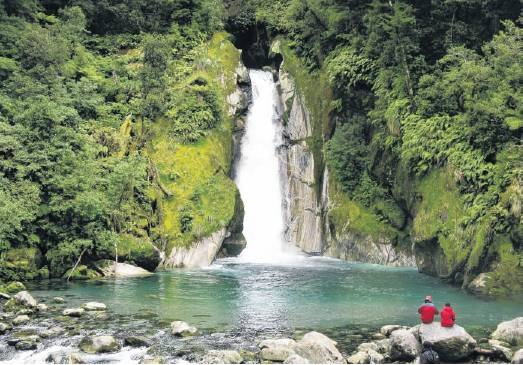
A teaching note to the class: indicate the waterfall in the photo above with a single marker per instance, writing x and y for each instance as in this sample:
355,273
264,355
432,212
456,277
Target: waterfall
258,177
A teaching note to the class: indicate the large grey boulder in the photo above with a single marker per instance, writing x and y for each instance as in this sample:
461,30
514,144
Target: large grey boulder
99,344
183,329
518,357
25,299
18,320
222,357
510,332
318,348
277,349
501,350
451,343
296,359
404,346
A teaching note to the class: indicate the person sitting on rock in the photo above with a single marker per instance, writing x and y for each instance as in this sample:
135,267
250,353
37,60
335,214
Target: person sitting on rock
428,355
448,317
428,310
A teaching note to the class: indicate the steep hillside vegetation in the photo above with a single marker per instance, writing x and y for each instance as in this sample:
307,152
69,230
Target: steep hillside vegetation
423,143
115,136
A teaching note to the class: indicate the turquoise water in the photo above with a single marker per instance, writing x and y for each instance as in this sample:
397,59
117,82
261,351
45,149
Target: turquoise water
312,293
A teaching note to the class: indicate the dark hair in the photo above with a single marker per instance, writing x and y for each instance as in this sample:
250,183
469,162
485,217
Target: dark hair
427,344
447,304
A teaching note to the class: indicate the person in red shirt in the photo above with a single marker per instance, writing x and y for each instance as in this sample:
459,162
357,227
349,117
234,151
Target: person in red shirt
427,311
448,317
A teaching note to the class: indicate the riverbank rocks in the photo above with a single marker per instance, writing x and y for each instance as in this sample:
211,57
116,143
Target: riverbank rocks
277,349
404,345
99,344
182,329
137,341
510,332
4,327
22,319
451,343
518,357
501,349
222,357
388,329
25,299
73,312
51,332
313,347
25,345
41,307
94,306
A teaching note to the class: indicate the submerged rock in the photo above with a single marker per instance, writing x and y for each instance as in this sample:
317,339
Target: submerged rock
18,320
99,344
137,341
73,312
510,332
451,343
94,306
404,346
183,329
25,299
222,357
58,300
53,331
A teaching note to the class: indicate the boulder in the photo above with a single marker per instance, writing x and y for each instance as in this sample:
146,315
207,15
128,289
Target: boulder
183,329
510,332
501,350
277,349
296,359
81,272
18,320
120,270
404,346
137,341
360,357
4,327
99,344
25,299
94,306
4,295
518,357
73,312
41,307
318,348
26,311
388,329
478,286
451,343
222,357
25,345
51,332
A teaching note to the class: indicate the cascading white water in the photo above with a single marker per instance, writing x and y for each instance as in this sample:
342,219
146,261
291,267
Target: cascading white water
258,176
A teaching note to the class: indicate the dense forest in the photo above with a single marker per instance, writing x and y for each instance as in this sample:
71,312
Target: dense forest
420,89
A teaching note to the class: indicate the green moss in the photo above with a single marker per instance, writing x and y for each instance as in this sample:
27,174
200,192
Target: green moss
12,287
349,215
438,216
138,250
507,277
81,272
21,263
196,175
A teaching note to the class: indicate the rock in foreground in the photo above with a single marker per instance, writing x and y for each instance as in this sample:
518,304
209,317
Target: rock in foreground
222,357
451,343
25,299
404,346
510,332
183,329
99,344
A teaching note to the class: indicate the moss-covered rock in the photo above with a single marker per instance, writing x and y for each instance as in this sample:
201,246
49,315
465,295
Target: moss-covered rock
21,263
12,287
81,272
